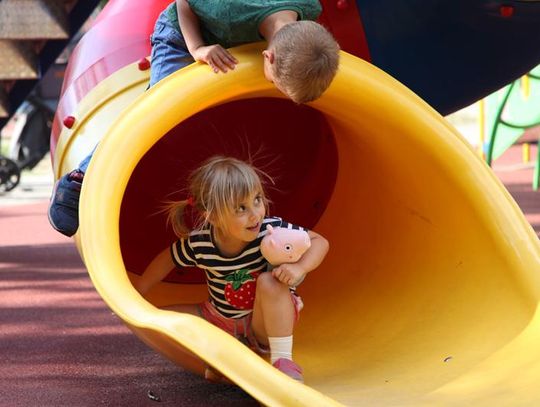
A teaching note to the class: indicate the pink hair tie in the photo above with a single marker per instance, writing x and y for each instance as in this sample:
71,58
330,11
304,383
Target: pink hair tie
190,201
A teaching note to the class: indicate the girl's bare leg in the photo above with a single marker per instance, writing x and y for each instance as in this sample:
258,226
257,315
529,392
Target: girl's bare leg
273,312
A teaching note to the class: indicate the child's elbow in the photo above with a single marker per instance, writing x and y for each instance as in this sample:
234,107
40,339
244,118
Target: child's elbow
322,244
326,245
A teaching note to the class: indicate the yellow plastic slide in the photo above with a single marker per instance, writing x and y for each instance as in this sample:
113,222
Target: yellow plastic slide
429,294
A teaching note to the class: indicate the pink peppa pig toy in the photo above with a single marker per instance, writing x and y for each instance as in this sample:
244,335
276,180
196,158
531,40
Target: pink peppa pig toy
281,245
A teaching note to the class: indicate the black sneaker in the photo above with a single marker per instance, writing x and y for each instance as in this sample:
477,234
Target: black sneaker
64,206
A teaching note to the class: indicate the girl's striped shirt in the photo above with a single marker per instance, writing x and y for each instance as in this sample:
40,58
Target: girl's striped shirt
231,299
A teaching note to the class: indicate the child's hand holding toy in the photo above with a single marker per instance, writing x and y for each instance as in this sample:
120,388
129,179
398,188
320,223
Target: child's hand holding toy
282,248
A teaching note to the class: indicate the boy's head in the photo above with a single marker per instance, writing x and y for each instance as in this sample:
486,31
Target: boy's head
301,59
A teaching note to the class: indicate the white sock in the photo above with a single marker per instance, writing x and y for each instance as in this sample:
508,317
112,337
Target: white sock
280,347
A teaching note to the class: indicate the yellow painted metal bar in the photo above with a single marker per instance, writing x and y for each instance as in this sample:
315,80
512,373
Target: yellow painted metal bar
525,87
430,292
526,152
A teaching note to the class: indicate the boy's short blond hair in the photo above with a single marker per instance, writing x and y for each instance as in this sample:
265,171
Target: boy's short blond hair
306,59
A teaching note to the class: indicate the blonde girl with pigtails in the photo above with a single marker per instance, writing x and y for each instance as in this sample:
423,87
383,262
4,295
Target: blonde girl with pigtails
246,297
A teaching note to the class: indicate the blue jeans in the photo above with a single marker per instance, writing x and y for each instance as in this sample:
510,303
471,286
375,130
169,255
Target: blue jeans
169,54
169,50
83,165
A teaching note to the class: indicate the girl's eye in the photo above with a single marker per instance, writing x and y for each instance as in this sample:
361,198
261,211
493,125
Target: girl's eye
288,247
258,200
241,209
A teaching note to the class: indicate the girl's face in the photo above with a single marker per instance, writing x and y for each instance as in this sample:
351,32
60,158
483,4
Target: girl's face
242,225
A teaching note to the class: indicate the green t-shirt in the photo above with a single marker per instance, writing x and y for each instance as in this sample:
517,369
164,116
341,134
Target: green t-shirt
235,22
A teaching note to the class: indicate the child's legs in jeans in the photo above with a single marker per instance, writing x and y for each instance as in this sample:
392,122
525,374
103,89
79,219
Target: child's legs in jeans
169,50
169,54
83,165
274,312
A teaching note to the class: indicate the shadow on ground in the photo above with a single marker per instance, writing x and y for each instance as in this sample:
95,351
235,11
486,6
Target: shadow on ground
61,345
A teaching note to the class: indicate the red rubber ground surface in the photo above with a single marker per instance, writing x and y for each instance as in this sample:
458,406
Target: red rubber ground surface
60,345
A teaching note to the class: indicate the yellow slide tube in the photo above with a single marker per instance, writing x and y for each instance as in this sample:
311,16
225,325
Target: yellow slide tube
429,294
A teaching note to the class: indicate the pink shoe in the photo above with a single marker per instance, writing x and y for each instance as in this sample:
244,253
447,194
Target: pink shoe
290,368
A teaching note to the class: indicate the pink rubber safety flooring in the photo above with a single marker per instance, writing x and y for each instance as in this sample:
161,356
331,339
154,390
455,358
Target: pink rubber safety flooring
517,176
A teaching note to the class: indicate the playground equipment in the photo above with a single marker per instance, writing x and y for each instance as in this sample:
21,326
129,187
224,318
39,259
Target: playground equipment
429,294
509,112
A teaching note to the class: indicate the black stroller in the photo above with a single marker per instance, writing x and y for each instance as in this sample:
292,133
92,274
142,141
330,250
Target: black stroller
29,143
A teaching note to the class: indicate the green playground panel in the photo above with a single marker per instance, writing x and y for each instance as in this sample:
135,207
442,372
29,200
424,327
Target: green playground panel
509,113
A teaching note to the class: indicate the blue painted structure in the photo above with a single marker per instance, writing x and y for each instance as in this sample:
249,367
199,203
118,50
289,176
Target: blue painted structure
452,52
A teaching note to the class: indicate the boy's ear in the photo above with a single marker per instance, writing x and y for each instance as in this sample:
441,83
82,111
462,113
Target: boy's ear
269,55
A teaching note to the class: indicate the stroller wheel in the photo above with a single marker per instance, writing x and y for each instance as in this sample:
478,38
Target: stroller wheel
10,174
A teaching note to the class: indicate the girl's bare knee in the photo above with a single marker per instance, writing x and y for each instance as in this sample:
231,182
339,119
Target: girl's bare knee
267,284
